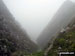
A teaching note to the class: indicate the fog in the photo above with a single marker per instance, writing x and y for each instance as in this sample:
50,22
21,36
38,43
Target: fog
33,15
61,20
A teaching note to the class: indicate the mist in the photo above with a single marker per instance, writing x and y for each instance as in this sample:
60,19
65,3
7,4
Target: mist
33,15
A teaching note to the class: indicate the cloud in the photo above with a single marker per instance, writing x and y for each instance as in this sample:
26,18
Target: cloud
33,15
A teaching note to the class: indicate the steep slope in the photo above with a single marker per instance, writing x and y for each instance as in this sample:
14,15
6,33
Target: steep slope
16,33
61,19
65,42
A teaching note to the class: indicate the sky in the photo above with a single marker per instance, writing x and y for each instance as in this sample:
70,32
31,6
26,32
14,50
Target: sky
33,15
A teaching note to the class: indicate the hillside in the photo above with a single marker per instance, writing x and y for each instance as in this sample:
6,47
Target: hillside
65,41
60,20
12,34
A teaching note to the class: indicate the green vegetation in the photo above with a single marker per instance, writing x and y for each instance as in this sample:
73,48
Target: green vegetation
37,54
64,42
22,53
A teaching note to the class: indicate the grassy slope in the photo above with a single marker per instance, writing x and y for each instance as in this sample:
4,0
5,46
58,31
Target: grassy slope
65,40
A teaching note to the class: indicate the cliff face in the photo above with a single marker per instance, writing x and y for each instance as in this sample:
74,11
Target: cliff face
61,19
16,33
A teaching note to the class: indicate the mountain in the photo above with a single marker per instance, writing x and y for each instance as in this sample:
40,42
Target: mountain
11,30
60,20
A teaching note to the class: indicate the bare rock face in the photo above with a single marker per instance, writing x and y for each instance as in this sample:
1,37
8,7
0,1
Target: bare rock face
60,20
10,30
